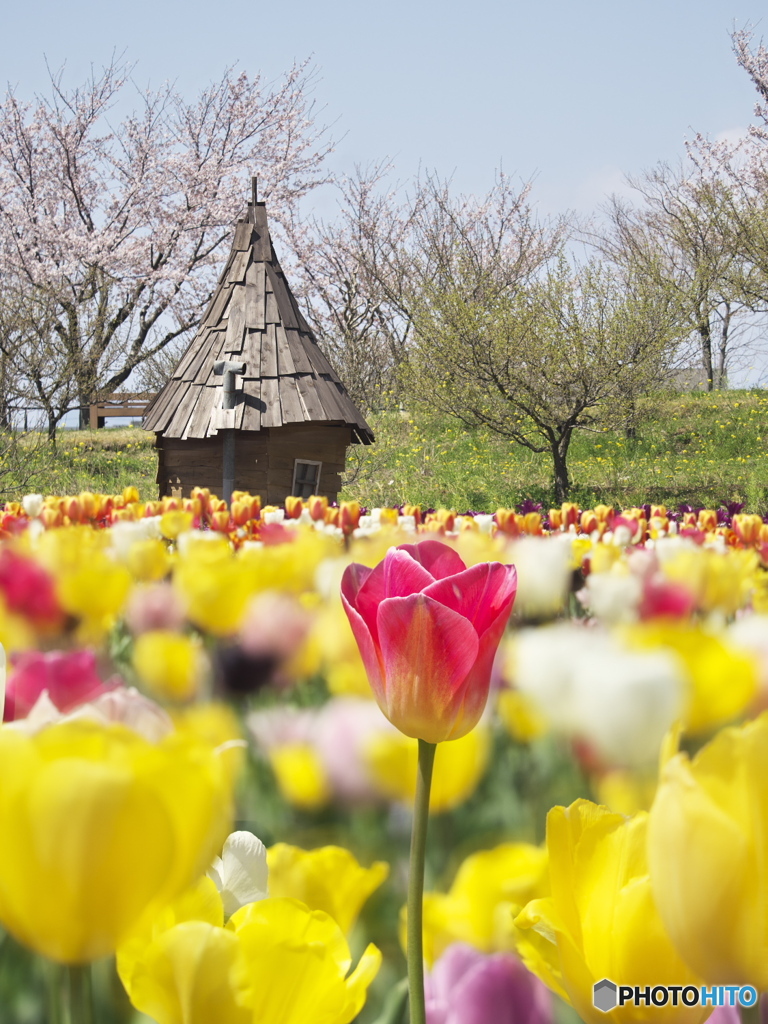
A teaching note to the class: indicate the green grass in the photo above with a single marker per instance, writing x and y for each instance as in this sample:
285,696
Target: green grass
701,449
105,461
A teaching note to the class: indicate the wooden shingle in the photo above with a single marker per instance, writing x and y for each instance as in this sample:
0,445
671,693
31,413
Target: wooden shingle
253,318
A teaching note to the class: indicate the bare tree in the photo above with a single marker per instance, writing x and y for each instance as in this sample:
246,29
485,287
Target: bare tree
742,168
117,231
349,275
363,275
682,238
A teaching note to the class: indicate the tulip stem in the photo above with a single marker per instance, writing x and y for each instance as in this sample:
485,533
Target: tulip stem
80,994
415,950
55,987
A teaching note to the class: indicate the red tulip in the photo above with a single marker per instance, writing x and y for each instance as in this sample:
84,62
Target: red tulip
70,677
428,629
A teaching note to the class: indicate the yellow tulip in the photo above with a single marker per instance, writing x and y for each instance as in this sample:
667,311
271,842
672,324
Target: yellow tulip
215,587
169,664
722,681
98,825
625,792
276,961
289,568
218,726
601,920
708,855
130,495
174,523
520,716
147,560
392,760
283,940
478,909
329,879
342,665
179,967
720,581
94,591
300,776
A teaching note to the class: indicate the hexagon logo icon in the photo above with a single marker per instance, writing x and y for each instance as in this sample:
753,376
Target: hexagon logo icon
604,995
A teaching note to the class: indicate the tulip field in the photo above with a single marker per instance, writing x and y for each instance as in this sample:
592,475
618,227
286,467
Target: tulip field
320,764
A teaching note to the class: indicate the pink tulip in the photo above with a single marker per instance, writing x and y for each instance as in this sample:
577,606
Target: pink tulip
428,629
70,678
469,987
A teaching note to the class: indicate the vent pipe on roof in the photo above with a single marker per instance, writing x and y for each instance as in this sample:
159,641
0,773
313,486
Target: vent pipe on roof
228,370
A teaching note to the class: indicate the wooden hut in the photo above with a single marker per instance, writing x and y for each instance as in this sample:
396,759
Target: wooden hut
290,418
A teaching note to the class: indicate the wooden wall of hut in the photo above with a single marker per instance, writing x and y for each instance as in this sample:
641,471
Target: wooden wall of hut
264,460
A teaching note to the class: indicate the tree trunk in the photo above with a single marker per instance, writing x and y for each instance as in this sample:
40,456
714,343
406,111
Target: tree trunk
52,422
560,466
722,355
705,336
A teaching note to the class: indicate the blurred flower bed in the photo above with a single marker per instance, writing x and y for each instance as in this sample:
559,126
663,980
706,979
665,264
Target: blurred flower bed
184,670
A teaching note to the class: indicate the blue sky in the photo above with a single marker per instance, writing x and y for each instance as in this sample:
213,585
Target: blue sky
574,93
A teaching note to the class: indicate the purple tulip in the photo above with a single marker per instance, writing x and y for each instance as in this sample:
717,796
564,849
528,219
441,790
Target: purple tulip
727,1015
469,987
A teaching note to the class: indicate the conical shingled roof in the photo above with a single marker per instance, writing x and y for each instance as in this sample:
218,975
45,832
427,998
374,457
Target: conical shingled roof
253,318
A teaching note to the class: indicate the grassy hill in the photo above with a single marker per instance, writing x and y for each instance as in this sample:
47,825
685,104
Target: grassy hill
699,449
695,448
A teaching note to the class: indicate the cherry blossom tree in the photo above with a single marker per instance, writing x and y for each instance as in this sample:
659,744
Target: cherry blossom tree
117,231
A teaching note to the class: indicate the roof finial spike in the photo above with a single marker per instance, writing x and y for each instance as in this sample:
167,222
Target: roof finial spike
254,189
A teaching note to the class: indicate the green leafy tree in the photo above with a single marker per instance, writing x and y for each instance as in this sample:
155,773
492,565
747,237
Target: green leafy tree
570,349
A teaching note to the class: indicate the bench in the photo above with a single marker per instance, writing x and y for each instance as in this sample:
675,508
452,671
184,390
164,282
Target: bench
118,405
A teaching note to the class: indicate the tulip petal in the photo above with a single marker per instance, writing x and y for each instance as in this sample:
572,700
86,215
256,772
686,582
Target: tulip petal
536,940
499,989
359,980
297,964
186,977
437,558
76,821
398,575
458,959
240,873
367,648
574,835
353,578
481,594
721,934
428,651
328,879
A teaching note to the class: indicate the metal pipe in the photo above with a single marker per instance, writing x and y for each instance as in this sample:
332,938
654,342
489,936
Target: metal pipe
229,371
